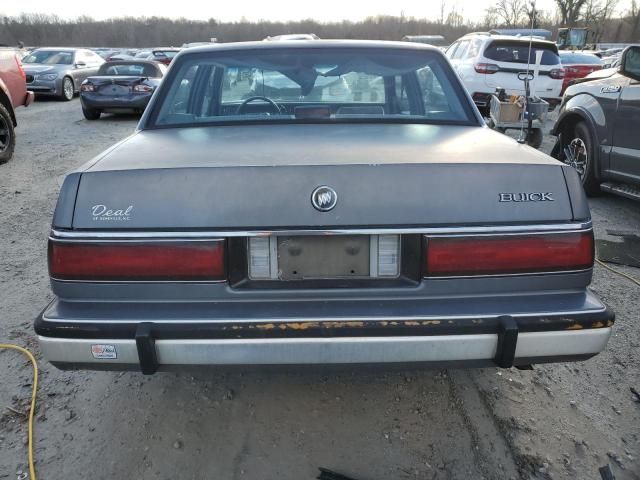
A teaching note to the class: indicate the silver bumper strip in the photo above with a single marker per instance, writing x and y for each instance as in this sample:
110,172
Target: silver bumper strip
341,350
106,235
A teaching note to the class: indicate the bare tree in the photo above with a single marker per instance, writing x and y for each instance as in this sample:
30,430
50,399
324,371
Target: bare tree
634,20
570,11
443,6
597,15
511,12
455,19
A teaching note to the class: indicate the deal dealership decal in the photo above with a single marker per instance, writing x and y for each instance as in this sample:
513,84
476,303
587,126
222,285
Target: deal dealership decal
102,213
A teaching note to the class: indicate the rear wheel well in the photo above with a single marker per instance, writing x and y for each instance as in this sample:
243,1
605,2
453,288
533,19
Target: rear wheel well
566,130
569,124
4,100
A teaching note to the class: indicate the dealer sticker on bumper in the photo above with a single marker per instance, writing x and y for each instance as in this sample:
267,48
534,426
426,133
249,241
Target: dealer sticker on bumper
104,351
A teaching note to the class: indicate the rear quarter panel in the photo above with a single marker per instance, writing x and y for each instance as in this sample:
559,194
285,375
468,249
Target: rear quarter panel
12,85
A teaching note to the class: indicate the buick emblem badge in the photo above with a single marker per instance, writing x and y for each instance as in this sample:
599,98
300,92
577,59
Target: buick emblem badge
324,198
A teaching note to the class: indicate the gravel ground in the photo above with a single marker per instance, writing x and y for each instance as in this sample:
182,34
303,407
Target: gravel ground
560,421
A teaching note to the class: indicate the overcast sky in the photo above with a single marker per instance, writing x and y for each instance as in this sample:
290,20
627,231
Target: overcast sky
323,10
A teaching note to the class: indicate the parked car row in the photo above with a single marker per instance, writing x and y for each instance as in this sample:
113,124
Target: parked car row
488,61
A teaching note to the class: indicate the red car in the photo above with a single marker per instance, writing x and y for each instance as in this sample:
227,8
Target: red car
164,55
13,93
577,65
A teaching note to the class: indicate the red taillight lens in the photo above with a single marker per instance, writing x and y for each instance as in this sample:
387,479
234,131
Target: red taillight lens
494,255
186,261
486,68
142,88
87,87
557,73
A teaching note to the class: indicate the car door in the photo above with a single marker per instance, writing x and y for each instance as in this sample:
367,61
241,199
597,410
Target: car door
625,154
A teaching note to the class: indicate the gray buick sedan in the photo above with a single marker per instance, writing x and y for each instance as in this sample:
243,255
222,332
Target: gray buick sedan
319,202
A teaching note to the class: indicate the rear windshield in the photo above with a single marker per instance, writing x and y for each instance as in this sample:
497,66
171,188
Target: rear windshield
129,69
299,84
579,59
517,52
49,57
165,53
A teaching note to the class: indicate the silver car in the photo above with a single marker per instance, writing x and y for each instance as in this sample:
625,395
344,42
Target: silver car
59,71
242,225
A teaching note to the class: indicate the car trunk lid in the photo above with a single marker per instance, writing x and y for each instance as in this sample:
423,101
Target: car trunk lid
114,85
262,177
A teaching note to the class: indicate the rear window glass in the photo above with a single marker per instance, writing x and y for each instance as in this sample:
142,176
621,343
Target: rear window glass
311,85
164,53
129,69
579,59
517,52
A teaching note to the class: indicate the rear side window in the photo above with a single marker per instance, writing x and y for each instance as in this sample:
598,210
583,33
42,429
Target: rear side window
517,52
461,50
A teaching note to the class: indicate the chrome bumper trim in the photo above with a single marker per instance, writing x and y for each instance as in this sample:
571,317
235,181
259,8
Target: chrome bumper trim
341,350
505,229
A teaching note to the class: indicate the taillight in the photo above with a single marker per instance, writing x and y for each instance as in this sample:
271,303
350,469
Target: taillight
557,73
87,87
125,261
486,68
141,88
508,254
20,69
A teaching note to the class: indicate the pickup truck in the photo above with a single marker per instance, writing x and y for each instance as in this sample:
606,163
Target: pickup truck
597,128
13,93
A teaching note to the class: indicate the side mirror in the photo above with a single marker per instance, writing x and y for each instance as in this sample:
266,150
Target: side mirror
80,64
630,62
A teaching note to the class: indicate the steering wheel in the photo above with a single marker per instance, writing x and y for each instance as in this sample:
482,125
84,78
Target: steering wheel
247,101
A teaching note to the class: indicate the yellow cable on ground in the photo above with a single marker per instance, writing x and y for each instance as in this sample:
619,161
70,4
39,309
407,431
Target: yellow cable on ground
32,409
622,274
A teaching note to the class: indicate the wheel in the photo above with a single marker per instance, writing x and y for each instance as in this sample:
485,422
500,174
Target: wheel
534,138
7,135
577,151
67,89
91,113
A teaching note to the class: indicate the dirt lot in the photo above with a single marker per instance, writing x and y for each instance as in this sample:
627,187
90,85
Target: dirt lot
560,421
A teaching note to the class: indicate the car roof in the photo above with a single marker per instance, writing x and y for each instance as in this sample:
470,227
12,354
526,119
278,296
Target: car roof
63,49
289,44
514,38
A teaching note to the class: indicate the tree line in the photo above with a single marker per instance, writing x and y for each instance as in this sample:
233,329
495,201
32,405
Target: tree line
41,29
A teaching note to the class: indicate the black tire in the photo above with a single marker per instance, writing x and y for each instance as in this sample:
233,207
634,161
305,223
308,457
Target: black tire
68,89
534,138
91,113
7,135
577,151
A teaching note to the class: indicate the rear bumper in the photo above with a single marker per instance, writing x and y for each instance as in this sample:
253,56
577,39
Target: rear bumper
298,338
102,102
478,349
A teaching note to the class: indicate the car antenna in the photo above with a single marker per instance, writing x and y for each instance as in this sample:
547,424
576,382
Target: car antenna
525,79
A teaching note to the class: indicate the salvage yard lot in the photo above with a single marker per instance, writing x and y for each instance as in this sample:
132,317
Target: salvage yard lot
556,421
